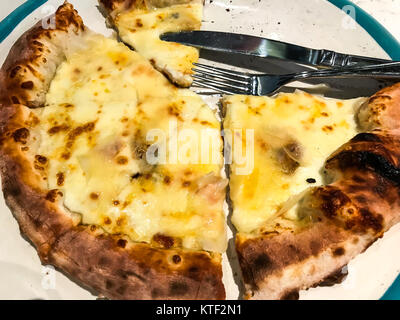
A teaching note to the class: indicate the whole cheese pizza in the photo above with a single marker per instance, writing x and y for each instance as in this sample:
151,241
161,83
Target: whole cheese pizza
98,165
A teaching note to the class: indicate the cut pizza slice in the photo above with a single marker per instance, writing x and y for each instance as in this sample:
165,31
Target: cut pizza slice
300,218
90,171
140,24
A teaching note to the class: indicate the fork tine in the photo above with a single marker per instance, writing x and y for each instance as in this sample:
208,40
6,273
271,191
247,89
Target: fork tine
221,89
220,83
221,77
213,88
205,85
221,71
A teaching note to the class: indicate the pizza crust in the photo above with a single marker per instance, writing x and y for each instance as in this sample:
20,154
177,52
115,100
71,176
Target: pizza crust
111,265
341,219
381,110
33,59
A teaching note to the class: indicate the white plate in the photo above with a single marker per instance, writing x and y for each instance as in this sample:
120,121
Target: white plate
313,23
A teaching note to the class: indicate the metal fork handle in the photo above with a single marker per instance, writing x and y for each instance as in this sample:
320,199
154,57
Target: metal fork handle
370,70
329,59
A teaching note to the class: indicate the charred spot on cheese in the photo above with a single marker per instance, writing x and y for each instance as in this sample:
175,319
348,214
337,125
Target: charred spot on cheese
294,133
327,128
167,180
139,148
186,184
53,194
122,243
173,109
41,159
40,163
107,220
74,133
67,105
163,240
176,258
122,160
58,128
32,120
28,85
60,178
94,196
135,176
293,149
288,156
99,160
21,135
339,251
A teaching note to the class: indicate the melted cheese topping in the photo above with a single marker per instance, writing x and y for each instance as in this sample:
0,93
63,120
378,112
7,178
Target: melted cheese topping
294,134
142,28
100,107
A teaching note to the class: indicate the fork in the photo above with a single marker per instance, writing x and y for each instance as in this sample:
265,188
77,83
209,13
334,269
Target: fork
234,82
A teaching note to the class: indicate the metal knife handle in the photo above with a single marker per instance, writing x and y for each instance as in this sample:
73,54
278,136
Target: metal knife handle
334,59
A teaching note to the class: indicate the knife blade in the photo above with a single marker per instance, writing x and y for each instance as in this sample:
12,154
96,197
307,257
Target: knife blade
266,48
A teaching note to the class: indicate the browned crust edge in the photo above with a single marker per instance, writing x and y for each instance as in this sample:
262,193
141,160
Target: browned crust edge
33,59
113,266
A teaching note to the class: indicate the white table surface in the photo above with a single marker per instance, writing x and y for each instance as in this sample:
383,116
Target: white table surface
385,11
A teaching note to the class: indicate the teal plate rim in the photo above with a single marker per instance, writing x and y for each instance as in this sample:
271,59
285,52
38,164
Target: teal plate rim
383,37
392,48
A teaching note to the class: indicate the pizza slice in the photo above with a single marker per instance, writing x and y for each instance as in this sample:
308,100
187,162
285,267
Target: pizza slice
88,171
140,24
301,218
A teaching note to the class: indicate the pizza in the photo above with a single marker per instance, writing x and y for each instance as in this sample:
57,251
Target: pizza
324,186
102,167
140,23
76,110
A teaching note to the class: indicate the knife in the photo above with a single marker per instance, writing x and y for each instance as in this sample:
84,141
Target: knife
266,48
